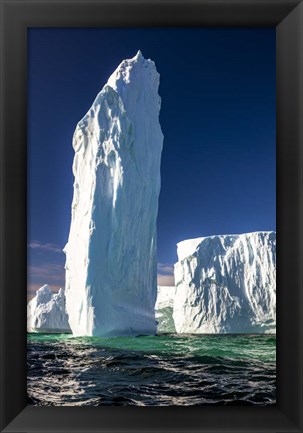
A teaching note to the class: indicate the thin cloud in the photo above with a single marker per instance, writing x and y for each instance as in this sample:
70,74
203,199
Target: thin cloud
47,273
165,268
47,247
165,280
54,275
165,275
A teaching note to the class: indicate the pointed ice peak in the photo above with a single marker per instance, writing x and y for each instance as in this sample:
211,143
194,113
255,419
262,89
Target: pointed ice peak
137,75
44,294
139,56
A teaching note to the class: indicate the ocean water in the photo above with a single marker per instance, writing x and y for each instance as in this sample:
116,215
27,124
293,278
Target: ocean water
161,370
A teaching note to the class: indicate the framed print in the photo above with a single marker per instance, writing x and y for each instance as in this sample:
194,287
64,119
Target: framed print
105,341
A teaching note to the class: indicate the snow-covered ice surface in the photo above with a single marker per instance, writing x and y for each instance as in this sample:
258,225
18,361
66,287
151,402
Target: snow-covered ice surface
226,284
111,273
46,312
164,309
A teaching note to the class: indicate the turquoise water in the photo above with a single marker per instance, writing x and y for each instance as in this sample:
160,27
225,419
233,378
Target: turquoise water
150,371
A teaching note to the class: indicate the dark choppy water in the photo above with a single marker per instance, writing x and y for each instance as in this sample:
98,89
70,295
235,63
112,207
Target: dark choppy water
150,371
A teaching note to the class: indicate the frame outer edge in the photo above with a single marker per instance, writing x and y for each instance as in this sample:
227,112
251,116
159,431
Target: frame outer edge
4,214
290,216
13,198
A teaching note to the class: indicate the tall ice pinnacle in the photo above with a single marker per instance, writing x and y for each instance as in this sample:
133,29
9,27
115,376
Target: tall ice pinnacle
111,272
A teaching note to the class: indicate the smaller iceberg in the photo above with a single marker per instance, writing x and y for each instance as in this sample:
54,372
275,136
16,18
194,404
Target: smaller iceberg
226,284
46,312
164,309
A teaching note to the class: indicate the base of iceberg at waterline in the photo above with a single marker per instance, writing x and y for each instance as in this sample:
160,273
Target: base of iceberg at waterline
164,309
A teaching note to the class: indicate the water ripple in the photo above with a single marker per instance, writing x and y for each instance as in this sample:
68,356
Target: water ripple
148,371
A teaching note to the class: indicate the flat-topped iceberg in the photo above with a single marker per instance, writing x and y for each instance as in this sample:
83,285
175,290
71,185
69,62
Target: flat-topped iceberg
226,284
46,312
111,269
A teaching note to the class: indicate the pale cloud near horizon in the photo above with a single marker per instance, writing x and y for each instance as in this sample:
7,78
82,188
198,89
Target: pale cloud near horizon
165,268
49,273
165,280
54,275
52,271
47,247
165,275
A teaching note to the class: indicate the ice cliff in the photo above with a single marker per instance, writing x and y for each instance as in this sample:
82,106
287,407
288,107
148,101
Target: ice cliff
111,270
46,312
164,309
226,284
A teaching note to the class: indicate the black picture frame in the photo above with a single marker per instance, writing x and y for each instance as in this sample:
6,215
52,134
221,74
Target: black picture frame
16,17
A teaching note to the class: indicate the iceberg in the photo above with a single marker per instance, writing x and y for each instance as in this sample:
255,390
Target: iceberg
164,309
111,270
46,312
226,284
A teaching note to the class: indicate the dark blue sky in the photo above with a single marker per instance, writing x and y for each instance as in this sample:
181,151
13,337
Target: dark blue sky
217,116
